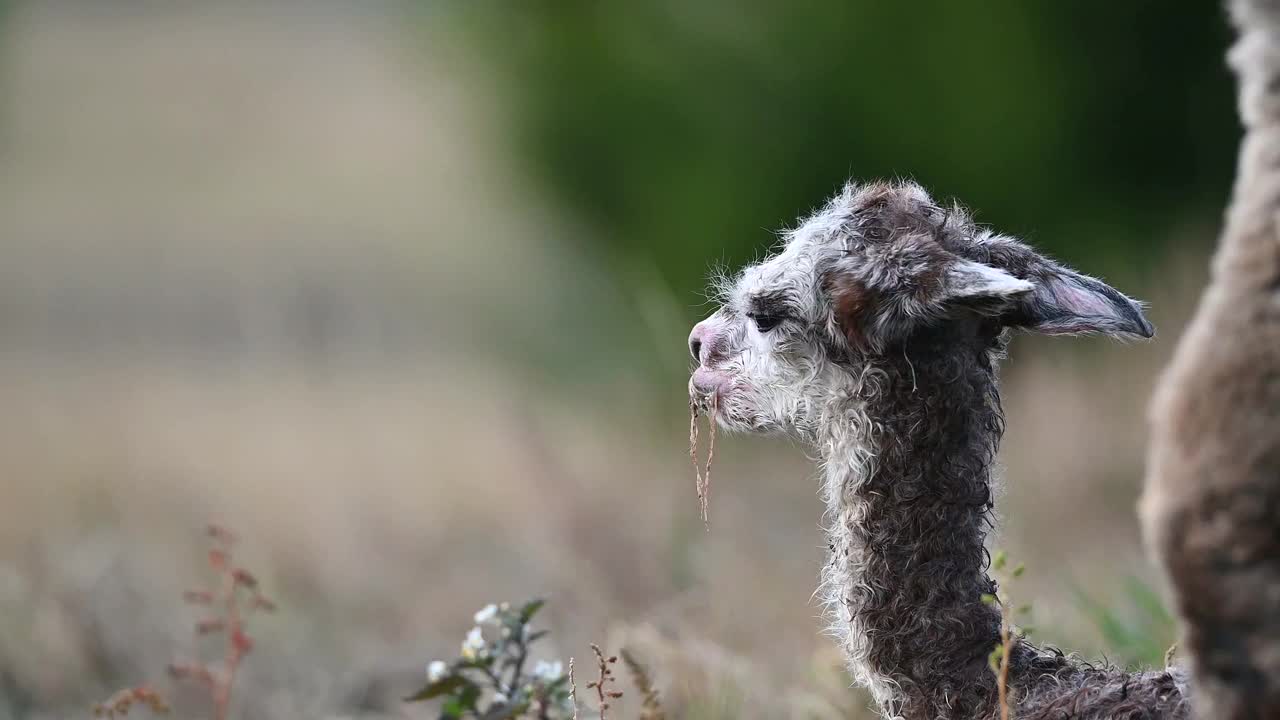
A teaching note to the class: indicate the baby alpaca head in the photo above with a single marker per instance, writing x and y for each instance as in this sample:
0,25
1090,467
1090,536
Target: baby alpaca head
880,270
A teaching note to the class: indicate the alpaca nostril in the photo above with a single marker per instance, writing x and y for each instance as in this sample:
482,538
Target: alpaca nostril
695,348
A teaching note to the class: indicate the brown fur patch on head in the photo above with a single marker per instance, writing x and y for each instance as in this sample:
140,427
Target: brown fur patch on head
853,304
928,283
874,195
898,209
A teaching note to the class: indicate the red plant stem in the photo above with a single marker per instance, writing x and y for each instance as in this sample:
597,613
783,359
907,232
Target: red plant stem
235,648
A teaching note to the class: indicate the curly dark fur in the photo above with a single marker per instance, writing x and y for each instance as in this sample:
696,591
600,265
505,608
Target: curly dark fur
928,510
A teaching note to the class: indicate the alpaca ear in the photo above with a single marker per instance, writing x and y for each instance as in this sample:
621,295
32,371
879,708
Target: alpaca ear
1065,302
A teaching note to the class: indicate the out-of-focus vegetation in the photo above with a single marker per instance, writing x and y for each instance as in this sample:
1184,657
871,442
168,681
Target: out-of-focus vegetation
688,131
1136,628
490,681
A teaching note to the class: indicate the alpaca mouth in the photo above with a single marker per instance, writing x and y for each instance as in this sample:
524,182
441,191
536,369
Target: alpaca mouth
699,399
705,385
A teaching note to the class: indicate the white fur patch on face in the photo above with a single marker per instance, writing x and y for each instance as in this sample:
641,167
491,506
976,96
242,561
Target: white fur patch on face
971,279
781,378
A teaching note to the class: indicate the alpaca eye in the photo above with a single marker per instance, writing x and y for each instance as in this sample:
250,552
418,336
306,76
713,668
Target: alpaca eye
875,232
766,321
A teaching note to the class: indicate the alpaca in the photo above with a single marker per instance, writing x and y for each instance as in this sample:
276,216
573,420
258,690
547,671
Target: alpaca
1211,507
873,337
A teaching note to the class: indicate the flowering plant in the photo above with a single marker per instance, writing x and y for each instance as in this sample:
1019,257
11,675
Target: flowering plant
489,679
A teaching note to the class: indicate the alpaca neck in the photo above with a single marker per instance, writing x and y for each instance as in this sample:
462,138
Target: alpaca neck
908,493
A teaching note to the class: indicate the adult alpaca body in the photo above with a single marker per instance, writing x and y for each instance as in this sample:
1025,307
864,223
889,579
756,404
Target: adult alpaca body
874,336
1211,508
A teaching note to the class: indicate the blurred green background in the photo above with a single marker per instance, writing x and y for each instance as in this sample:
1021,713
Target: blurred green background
400,292
680,134
688,131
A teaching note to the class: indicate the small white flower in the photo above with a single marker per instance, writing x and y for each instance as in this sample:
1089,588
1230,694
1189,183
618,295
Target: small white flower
486,614
436,670
548,671
500,698
474,644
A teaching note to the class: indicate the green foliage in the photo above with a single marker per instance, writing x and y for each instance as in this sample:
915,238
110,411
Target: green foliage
999,657
489,681
723,701
686,132
1137,632
994,658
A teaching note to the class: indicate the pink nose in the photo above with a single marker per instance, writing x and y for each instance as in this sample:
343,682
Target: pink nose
702,341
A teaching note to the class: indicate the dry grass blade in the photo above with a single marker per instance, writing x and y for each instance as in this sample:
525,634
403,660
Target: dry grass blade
693,450
603,696
119,704
573,690
702,476
651,708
